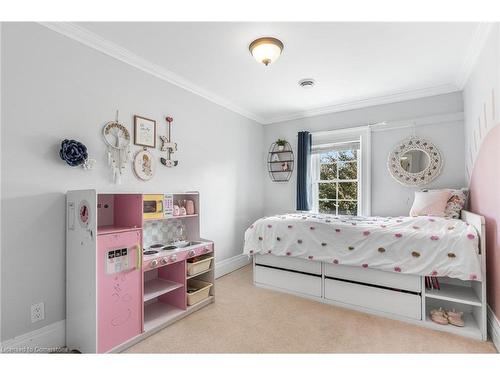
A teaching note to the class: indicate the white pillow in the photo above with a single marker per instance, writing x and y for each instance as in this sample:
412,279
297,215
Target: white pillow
430,203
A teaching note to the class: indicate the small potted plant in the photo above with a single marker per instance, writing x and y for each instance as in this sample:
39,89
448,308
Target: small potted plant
281,144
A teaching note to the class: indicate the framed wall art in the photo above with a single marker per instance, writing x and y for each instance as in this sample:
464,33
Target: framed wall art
144,132
144,166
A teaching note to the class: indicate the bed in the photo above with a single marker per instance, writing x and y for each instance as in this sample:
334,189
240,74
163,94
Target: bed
376,264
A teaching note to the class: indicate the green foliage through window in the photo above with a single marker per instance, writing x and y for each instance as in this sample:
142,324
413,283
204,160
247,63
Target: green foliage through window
338,182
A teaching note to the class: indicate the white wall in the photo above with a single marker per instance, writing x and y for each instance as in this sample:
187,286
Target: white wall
481,96
388,197
55,88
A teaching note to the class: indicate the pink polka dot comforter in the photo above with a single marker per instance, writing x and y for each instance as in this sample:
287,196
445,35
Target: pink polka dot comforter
426,246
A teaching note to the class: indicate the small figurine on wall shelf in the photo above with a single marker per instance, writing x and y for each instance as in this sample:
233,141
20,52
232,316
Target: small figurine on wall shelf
168,146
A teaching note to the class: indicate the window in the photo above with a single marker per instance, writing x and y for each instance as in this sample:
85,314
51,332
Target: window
338,181
340,172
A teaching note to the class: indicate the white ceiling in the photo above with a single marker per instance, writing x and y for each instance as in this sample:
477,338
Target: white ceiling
354,64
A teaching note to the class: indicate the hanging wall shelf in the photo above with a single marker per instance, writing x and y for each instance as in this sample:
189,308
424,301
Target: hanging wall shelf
280,162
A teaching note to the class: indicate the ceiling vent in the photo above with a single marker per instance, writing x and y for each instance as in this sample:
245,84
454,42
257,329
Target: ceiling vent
306,83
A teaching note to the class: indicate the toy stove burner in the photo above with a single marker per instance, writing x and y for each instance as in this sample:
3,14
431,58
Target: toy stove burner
150,252
169,248
156,246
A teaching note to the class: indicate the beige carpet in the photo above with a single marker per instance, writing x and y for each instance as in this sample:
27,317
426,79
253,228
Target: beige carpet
247,319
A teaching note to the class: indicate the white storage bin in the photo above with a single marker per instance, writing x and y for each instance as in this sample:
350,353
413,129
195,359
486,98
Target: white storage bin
197,291
197,265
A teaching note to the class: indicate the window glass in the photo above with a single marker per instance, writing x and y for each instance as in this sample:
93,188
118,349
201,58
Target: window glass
348,208
338,184
327,190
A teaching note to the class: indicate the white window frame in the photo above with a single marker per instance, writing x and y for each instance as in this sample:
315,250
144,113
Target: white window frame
361,134
337,181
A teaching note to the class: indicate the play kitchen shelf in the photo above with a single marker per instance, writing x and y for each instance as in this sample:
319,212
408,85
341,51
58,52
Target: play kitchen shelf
129,268
158,287
173,217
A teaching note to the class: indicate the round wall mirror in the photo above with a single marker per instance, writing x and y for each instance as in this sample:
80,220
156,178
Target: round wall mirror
414,162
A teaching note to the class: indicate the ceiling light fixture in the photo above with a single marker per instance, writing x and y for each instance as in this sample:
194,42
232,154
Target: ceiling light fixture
266,50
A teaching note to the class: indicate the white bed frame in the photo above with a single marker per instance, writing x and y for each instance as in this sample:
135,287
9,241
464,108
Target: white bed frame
397,296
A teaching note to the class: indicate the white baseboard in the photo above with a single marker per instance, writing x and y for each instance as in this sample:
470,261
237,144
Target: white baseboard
229,265
50,338
494,328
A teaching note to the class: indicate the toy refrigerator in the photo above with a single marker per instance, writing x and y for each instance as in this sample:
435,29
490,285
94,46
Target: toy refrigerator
103,270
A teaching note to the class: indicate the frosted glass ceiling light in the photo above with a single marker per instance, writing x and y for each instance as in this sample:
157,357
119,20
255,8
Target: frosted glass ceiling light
266,50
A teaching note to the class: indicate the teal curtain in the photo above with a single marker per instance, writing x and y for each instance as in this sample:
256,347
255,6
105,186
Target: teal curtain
304,184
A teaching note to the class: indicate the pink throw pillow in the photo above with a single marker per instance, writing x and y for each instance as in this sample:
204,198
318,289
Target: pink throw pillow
430,203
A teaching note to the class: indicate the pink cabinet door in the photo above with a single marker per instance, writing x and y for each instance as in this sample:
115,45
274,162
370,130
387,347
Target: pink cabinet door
119,289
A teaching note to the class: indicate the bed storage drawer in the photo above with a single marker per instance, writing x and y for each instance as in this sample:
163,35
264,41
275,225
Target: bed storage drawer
290,263
369,276
385,300
292,281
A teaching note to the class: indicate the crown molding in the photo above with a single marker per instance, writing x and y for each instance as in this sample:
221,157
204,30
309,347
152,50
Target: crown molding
476,45
92,40
395,97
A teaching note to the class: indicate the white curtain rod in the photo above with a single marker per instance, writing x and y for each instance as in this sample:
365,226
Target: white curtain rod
399,124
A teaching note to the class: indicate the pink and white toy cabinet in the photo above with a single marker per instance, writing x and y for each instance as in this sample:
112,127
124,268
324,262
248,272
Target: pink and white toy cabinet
126,275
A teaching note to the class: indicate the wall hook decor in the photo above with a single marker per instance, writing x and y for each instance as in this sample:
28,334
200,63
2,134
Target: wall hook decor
168,146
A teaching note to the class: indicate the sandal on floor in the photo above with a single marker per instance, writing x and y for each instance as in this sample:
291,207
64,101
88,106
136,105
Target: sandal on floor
439,316
455,318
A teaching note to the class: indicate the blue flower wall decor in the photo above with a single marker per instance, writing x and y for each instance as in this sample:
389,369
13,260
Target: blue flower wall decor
73,152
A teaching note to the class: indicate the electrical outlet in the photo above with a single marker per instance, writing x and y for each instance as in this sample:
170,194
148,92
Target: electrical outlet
37,312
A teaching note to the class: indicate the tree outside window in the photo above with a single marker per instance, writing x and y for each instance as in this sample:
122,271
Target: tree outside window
338,182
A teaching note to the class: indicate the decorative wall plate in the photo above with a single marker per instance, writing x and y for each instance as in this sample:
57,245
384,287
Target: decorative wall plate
144,165
414,162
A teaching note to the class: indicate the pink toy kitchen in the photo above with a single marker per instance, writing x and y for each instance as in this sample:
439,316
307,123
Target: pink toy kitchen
135,263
